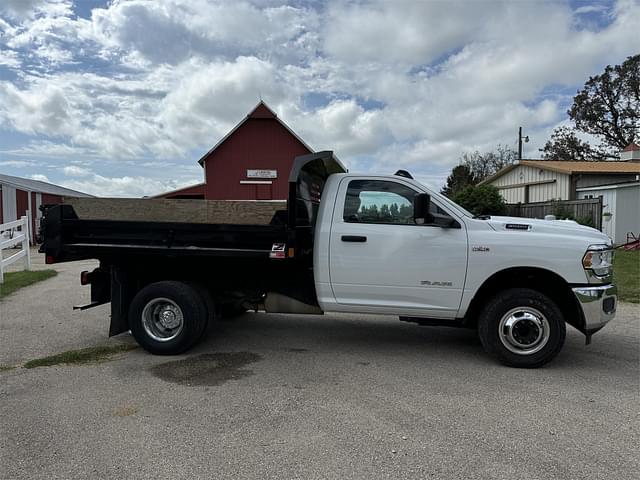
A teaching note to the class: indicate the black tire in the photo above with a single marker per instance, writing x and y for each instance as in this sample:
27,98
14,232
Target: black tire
184,306
210,304
522,328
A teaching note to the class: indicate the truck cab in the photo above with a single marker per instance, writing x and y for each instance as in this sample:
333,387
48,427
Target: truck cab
372,256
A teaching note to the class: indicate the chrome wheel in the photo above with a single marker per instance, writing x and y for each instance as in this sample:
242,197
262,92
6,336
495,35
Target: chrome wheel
524,330
162,319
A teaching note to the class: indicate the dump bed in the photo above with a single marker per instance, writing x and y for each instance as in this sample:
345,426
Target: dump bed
115,228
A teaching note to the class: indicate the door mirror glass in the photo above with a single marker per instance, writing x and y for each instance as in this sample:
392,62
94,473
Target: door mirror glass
421,204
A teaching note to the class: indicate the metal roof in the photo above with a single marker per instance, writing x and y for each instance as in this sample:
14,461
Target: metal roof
275,116
39,186
570,167
584,167
177,190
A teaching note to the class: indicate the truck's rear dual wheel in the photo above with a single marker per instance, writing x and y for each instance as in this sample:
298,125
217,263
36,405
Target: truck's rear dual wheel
167,318
522,327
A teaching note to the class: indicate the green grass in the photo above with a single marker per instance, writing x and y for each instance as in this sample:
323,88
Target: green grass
82,356
6,368
626,274
15,280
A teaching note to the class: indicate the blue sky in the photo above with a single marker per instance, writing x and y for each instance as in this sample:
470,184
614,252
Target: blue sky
122,97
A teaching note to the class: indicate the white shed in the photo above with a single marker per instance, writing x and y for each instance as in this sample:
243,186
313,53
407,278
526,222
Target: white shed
620,209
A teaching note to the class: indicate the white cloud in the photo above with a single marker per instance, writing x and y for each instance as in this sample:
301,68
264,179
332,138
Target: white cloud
43,109
401,31
16,163
45,148
126,186
46,30
175,30
76,171
40,177
10,58
19,9
211,98
590,9
345,126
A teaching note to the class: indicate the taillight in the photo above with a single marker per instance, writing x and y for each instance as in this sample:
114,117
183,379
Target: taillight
84,278
49,259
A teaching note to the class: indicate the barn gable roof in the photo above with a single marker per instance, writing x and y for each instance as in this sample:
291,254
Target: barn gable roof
39,186
261,110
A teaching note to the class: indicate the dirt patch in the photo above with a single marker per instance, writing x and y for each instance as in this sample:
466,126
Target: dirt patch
207,368
126,411
82,356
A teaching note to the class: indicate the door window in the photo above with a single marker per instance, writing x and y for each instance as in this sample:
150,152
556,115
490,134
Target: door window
381,201
378,201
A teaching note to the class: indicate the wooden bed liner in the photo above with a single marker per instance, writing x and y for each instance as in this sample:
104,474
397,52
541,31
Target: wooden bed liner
230,212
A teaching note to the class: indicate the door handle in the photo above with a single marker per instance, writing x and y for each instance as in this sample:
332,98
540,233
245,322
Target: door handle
354,238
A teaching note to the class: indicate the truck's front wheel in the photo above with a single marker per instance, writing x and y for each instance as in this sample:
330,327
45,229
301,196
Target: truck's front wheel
167,318
522,327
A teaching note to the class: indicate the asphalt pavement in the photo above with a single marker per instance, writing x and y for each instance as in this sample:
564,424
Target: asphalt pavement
288,397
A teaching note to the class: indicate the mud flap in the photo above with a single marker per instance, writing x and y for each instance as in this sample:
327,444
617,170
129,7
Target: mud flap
121,296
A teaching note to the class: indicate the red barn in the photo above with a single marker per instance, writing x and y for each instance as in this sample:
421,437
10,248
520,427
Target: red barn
23,196
251,162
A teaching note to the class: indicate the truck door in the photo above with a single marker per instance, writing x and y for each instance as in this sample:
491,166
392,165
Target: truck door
380,260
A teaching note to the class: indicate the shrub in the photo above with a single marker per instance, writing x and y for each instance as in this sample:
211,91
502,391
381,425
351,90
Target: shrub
481,200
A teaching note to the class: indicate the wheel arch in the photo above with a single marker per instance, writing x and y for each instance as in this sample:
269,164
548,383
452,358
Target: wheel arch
545,281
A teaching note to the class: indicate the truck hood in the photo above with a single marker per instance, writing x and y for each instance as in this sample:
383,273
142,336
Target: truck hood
551,227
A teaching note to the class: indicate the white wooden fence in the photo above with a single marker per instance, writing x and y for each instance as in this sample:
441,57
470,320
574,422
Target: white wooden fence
12,234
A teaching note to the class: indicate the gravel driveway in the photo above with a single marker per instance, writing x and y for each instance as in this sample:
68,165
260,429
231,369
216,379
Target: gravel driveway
285,396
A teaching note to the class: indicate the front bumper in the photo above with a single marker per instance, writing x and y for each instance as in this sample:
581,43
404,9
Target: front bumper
598,305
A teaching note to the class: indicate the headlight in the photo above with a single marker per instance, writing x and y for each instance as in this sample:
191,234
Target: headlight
599,259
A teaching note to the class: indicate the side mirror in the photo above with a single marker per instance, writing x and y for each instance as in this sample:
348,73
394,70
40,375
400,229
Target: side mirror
421,214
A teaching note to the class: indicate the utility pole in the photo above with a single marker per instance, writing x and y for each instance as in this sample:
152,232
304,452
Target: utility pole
520,139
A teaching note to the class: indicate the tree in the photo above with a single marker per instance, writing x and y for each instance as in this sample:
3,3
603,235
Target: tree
475,167
481,200
459,178
608,107
385,213
565,145
395,211
483,165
